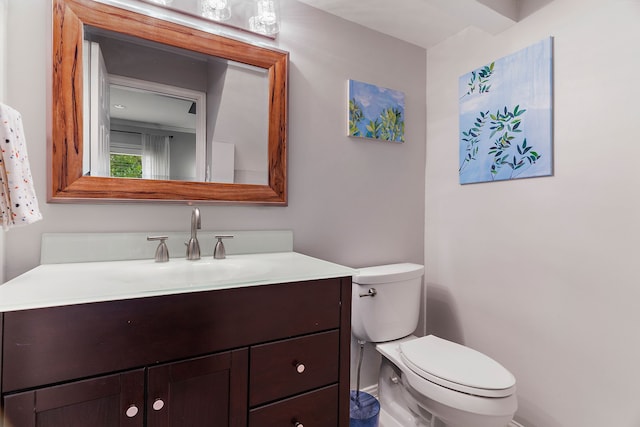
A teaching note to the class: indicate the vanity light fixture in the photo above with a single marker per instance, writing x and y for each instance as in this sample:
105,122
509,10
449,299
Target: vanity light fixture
258,16
266,20
218,10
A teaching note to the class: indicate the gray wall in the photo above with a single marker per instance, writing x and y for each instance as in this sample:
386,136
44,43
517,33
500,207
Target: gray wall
542,274
183,153
243,119
351,201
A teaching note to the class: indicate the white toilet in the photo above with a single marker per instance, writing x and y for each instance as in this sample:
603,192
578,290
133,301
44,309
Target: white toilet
425,381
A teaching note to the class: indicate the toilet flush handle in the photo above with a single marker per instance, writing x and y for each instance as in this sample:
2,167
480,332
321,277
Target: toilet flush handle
371,293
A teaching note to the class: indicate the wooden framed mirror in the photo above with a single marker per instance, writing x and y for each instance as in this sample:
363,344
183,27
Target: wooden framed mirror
72,181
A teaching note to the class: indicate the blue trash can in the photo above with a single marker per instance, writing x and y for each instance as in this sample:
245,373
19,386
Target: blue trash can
364,410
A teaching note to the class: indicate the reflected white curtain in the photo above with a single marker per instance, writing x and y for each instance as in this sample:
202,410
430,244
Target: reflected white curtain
155,156
101,165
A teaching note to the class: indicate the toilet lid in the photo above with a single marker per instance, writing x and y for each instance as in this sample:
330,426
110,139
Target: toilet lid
457,367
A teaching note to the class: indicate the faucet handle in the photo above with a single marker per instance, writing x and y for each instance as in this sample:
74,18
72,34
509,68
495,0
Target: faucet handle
219,251
162,253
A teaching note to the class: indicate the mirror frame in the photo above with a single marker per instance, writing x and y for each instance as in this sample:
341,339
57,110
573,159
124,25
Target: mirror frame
65,148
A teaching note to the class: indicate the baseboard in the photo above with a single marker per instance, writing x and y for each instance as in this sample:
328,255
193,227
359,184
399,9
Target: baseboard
372,390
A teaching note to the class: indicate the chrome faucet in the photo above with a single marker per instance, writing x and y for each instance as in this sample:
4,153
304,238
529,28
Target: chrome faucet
193,247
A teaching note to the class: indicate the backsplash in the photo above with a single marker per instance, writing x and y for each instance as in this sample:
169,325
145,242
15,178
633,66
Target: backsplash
88,247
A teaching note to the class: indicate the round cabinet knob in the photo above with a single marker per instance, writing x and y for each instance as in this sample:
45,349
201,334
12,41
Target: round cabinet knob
158,404
300,369
298,424
132,411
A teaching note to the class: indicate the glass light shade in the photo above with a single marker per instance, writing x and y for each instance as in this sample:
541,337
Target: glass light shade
217,10
266,20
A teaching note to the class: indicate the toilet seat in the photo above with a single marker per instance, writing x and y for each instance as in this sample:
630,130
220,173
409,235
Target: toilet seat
456,367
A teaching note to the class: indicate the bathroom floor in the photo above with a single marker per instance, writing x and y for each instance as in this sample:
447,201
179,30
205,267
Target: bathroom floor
386,421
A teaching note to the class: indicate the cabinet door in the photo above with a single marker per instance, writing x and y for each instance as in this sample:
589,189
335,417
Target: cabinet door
114,400
209,391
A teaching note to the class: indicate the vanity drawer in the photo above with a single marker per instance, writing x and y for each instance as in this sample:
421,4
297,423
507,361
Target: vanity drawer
318,408
287,367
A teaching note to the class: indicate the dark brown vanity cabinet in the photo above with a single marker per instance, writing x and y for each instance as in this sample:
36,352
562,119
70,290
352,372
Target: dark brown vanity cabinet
272,355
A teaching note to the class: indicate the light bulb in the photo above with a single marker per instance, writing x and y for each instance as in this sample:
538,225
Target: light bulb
267,12
266,19
217,10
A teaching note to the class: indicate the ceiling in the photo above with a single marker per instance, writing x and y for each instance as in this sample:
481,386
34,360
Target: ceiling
151,109
428,22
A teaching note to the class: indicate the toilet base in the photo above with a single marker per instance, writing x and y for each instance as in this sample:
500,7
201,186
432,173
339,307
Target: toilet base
403,406
398,409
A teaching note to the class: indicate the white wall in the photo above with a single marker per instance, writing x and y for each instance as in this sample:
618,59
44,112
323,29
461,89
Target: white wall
542,274
3,84
351,201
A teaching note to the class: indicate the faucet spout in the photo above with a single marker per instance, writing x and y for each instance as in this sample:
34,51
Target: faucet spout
193,247
195,221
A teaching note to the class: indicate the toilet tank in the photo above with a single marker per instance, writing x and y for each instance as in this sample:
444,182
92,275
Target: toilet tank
394,310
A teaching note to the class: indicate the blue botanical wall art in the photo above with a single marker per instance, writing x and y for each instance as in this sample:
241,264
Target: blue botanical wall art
506,117
375,112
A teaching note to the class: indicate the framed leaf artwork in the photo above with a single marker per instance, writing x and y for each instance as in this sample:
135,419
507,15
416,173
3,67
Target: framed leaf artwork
506,117
375,112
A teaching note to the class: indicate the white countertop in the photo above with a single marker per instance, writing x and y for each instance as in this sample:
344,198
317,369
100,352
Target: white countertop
51,285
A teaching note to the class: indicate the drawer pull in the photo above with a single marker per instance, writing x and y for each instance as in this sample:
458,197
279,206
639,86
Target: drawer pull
300,369
297,424
158,404
132,411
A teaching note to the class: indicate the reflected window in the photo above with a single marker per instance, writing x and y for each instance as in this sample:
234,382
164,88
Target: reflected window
126,166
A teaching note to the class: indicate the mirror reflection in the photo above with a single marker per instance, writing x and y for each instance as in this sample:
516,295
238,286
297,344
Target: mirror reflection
158,112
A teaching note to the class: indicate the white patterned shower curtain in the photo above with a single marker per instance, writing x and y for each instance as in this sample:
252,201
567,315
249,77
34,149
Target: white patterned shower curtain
155,156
